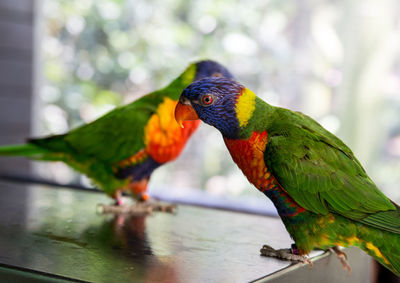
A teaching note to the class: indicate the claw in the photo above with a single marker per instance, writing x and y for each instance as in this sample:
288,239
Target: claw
342,258
140,208
285,254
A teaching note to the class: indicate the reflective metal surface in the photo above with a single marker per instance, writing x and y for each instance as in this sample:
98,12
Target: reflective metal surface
57,231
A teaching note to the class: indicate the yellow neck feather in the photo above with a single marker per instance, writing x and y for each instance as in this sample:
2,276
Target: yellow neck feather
245,106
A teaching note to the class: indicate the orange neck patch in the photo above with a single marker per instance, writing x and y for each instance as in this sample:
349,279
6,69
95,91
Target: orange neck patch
163,137
249,156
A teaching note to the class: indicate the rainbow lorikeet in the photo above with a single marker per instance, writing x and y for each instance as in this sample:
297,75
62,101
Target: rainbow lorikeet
320,190
120,150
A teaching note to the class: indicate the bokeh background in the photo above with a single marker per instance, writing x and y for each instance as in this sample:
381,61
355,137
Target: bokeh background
337,61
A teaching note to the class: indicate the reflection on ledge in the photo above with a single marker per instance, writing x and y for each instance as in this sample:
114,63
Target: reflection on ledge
63,236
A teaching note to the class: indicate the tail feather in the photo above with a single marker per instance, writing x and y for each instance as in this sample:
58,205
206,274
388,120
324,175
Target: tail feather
387,220
22,150
383,245
55,143
394,260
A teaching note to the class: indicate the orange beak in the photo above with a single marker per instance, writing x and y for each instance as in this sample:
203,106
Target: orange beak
184,112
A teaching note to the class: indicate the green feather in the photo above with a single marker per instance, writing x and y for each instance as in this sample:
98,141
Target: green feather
323,176
93,149
318,170
21,150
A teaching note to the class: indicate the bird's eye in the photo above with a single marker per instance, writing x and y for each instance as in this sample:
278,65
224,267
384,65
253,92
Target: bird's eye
207,99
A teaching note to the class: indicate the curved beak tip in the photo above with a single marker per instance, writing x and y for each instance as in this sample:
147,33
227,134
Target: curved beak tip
183,113
180,123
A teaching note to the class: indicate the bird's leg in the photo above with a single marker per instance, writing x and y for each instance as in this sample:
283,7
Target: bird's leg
342,257
119,201
291,254
117,208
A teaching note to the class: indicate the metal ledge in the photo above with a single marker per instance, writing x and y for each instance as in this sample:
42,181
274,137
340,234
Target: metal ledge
49,235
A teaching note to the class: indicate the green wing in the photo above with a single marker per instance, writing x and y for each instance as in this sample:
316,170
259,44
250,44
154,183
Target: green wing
111,138
117,135
322,174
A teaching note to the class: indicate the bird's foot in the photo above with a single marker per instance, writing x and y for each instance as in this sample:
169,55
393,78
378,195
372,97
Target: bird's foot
122,209
342,258
154,205
285,254
139,208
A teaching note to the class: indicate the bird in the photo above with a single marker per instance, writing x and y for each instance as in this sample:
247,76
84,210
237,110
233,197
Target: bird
322,193
120,150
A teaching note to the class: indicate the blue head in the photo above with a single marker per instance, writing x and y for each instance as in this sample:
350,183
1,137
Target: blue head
209,68
212,100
